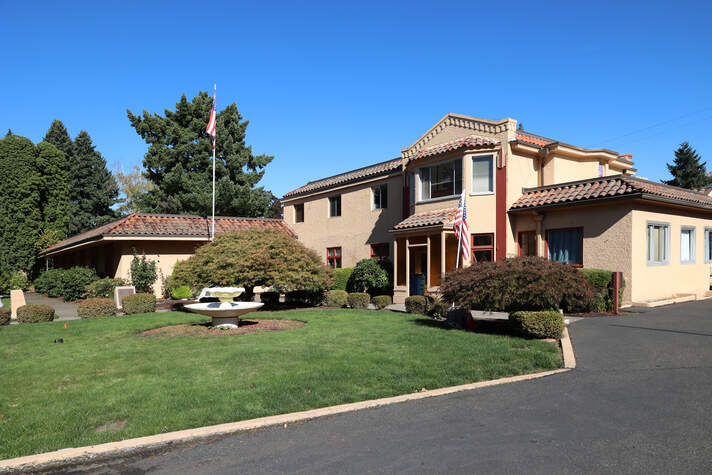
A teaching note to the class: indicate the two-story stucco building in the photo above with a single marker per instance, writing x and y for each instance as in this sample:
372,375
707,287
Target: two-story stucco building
526,195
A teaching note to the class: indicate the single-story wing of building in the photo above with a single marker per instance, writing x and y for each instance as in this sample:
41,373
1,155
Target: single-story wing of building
164,238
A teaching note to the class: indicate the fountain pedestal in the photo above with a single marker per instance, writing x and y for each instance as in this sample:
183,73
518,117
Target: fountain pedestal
225,312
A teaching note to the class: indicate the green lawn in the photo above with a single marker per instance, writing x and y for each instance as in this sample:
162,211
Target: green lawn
56,395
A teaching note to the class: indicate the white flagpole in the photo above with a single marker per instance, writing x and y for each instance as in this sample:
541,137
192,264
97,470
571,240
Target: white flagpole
215,91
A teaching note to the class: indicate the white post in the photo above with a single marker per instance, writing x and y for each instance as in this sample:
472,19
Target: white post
459,248
212,232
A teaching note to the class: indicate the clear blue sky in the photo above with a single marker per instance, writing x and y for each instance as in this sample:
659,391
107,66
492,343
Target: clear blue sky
335,86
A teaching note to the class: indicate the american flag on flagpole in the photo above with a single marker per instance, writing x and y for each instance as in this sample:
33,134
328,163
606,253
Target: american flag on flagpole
210,129
461,230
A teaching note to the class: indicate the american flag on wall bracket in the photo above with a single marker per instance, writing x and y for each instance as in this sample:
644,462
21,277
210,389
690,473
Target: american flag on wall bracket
461,229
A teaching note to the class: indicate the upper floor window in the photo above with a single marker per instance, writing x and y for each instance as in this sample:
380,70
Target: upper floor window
380,196
443,179
658,243
380,251
708,245
299,213
333,257
565,245
482,174
334,206
687,245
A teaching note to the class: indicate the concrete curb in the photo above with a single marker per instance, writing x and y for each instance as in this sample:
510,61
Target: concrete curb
567,350
72,456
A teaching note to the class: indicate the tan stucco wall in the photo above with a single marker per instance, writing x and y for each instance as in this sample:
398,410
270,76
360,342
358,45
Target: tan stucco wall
356,229
569,169
606,235
522,172
164,253
662,281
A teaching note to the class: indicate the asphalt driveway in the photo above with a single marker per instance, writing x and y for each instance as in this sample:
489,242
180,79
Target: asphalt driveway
640,401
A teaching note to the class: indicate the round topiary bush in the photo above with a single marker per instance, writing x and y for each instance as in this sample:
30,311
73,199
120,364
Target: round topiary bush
416,304
359,300
96,308
252,258
336,298
382,301
35,313
522,283
5,316
139,303
371,276
546,324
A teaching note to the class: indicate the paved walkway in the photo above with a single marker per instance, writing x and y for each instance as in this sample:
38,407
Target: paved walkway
640,401
63,310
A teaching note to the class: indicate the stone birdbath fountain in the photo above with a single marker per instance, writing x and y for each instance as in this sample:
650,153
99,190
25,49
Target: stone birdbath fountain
226,313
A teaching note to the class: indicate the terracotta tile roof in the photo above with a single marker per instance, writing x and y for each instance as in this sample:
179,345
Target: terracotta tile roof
532,139
428,218
382,168
469,141
168,226
606,188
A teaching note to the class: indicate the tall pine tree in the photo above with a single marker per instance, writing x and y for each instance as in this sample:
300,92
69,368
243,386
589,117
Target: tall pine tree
92,188
58,136
20,211
686,170
178,162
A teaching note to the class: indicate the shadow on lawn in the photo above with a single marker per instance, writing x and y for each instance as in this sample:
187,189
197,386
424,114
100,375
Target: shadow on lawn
490,327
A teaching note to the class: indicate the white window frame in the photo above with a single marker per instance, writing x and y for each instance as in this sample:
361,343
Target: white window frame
708,236
649,241
472,169
693,244
383,187
419,171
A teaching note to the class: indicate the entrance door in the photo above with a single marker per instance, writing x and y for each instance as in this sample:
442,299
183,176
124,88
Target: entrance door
418,269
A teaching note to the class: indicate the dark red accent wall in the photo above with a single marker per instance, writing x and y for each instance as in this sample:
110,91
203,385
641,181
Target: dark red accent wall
501,209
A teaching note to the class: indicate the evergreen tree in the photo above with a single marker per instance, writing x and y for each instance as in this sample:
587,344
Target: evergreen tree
54,194
92,188
686,170
20,214
178,162
58,136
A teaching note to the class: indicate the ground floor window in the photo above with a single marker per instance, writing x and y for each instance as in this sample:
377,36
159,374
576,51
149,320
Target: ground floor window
565,245
527,243
333,257
658,243
687,245
708,245
483,247
380,251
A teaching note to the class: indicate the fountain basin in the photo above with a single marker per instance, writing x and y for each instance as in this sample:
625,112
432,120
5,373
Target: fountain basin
224,312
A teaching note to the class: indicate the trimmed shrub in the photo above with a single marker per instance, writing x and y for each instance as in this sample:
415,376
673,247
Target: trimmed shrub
336,298
545,324
35,313
181,292
270,298
254,258
103,288
341,278
416,304
522,283
50,282
96,308
139,303
5,316
438,309
371,276
359,300
74,282
309,297
601,280
382,301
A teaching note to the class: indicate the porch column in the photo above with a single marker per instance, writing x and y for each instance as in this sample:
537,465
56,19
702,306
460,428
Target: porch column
395,262
427,270
538,218
407,266
442,254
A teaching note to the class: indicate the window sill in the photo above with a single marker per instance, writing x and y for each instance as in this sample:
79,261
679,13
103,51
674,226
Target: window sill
657,264
687,263
481,193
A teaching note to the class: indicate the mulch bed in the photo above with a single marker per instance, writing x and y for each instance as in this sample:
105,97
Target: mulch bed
205,329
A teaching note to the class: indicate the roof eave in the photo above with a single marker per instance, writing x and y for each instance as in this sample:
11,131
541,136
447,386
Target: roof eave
561,204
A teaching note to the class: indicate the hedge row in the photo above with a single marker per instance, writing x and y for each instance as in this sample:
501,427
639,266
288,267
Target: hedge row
35,313
96,308
546,324
139,303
